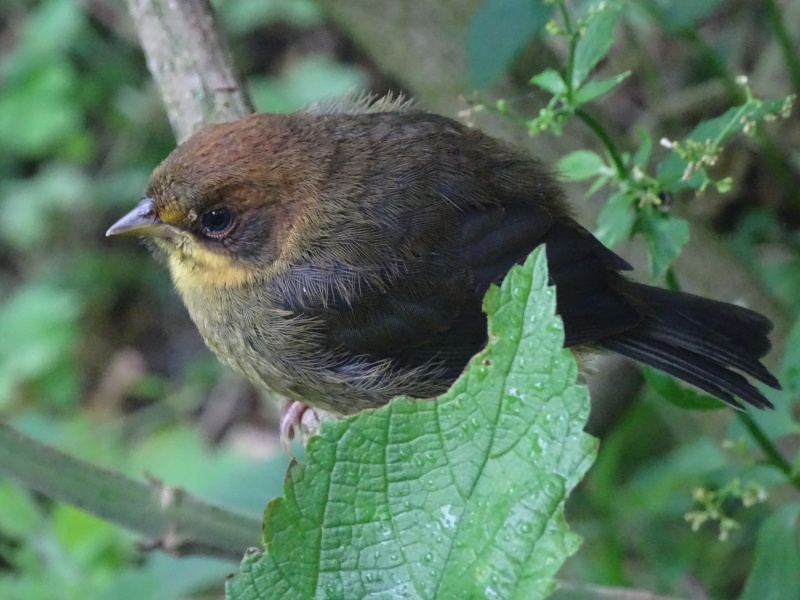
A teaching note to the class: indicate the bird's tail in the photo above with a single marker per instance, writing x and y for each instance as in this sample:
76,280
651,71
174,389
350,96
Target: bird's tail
709,344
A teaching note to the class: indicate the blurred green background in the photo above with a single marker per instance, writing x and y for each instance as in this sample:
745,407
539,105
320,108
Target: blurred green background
98,356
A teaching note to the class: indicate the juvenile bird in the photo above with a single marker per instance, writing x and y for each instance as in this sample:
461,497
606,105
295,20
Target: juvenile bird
340,256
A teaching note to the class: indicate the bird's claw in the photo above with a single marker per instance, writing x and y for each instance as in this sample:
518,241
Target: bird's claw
291,418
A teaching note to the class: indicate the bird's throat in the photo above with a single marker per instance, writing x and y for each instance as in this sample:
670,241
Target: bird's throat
206,270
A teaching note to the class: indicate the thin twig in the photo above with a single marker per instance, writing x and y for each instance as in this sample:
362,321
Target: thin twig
774,457
775,20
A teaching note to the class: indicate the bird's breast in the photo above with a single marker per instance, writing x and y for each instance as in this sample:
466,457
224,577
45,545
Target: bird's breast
284,352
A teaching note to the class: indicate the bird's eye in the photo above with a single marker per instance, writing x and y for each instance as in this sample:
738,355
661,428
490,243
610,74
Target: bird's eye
216,221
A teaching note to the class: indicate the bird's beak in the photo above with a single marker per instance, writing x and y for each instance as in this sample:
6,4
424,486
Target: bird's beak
142,220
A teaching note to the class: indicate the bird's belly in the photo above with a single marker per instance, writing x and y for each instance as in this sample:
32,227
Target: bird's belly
287,355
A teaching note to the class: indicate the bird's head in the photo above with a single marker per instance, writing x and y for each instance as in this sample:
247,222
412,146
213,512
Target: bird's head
228,204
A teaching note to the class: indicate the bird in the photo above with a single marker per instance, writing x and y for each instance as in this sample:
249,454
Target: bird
339,256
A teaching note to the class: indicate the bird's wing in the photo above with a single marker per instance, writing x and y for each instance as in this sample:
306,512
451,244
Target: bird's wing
429,307
420,310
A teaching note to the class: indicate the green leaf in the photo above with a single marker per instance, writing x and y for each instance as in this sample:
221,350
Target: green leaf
33,208
718,130
665,234
550,80
47,35
678,394
596,39
309,80
776,570
616,220
39,325
596,88
598,183
20,516
497,31
790,365
458,497
582,164
783,420
244,17
642,155
38,112
736,119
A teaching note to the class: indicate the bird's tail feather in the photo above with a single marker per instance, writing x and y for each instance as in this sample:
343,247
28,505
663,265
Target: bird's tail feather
706,343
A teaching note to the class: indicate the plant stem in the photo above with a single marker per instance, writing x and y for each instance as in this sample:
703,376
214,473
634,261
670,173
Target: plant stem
168,517
605,139
774,457
672,280
712,59
775,20
573,42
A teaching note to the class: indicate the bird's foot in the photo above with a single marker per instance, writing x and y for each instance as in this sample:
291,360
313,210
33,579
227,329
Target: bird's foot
299,420
291,418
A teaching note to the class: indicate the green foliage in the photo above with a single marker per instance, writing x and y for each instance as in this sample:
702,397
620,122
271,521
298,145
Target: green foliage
595,38
665,234
686,166
720,493
582,164
460,497
781,273
678,15
671,390
775,570
497,32
636,205
241,17
39,333
308,81
60,551
38,111
616,221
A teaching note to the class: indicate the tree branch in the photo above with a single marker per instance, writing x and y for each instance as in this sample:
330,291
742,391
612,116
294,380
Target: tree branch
191,63
173,520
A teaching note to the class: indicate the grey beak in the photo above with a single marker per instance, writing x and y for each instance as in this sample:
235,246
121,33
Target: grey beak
142,220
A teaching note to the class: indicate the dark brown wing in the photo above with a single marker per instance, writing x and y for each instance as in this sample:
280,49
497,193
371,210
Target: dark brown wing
431,312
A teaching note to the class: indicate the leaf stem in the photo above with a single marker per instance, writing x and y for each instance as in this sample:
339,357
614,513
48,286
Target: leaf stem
774,457
775,20
573,43
712,60
605,139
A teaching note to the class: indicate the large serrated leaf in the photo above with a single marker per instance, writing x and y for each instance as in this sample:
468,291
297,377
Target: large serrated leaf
460,497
